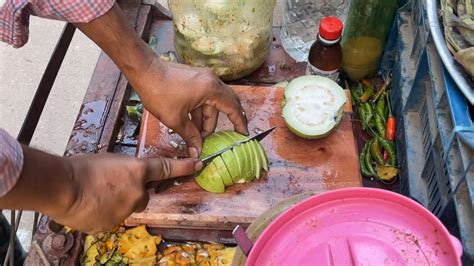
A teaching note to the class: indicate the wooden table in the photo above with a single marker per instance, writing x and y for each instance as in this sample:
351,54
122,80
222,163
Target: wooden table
103,126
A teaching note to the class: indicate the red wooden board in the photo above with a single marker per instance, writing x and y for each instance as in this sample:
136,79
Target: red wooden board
296,166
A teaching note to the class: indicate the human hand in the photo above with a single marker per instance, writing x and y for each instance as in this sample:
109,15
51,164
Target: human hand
173,91
108,188
169,91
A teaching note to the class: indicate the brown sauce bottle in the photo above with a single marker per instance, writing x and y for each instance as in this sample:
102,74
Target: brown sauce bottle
325,55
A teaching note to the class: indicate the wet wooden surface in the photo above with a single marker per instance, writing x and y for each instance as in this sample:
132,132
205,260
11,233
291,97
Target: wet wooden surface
296,166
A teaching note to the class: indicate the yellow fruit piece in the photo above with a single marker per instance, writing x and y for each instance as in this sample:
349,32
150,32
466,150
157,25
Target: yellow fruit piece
225,256
90,250
68,229
386,173
138,246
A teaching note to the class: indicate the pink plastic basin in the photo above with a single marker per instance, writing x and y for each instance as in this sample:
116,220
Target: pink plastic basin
356,226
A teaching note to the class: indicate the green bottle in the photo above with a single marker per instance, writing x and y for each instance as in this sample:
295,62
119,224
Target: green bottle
365,34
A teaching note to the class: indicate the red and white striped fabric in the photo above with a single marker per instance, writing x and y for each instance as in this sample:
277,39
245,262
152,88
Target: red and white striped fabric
15,14
11,162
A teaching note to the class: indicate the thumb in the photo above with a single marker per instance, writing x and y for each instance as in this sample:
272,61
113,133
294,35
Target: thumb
165,168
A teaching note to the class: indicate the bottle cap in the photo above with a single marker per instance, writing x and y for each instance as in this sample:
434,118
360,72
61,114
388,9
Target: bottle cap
330,28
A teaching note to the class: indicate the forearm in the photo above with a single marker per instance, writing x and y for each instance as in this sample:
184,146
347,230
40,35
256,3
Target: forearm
114,34
46,184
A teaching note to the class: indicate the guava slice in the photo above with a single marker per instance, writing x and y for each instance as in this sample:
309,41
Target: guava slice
230,158
313,106
224,174
240,155
208,45
257,159
245,162
249,163
210,180
263,156
190,25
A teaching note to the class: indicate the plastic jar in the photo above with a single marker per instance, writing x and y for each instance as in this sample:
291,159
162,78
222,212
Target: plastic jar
233,37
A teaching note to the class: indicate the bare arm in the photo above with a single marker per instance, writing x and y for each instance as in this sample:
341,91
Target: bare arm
169,91
77,192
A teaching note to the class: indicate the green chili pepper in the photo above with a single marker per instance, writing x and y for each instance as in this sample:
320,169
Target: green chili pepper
369,109
386,112
360,89
390,148
363,167
362,116
369,112
371,123
368,92
355,97
380,125
368,160
380,108
376,151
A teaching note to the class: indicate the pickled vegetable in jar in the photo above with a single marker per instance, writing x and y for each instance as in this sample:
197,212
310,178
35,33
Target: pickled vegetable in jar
232,37
365,34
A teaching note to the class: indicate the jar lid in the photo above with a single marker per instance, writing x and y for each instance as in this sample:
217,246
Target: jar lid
356,226
330,28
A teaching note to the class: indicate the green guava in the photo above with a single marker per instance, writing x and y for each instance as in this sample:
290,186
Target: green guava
249,163
256,155
241,164
313,106
210,180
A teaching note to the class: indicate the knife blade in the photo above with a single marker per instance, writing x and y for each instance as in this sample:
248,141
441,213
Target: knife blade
257,137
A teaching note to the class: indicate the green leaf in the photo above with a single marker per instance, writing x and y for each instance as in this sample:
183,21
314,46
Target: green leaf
153,43
134,96
135,111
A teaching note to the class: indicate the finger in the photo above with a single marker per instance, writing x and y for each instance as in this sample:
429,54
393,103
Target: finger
210,115
190,133
228,103
142,203
165,168
196,115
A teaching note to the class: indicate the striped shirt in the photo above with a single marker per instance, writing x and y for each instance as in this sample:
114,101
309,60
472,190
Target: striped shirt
15,14
11,162
14,20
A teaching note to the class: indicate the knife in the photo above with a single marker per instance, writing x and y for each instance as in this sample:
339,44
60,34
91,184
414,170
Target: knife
257,137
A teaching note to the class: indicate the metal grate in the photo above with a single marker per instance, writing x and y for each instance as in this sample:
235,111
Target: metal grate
425,129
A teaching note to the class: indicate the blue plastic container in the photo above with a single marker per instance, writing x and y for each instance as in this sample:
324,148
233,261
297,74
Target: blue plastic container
435,134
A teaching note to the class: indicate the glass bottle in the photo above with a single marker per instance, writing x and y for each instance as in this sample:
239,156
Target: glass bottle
325,55
364,37
301,20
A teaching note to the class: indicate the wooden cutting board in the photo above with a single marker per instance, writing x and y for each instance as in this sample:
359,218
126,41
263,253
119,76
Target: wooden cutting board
296,166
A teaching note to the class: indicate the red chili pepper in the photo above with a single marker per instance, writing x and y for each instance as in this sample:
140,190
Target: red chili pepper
390,133
366,82
391,127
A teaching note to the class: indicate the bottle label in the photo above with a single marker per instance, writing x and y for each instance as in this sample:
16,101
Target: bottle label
312,70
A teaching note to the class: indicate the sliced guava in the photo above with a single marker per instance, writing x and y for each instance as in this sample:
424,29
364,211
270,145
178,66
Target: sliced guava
263,156
208,45
313,106
249,163
240,154
190,25
210,180
221,7
230,158
207,149
256,155
223,170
